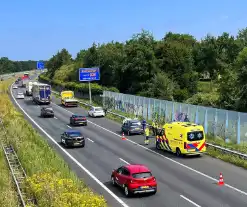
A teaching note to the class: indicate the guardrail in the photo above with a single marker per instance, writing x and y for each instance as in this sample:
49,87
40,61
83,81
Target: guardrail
225,150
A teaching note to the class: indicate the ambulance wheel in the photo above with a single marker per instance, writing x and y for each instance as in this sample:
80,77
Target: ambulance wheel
178,152
158,146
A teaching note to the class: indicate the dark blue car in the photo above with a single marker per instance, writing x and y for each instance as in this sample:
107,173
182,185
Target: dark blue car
72,138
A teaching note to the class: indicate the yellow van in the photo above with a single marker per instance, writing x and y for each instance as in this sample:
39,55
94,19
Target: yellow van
182,138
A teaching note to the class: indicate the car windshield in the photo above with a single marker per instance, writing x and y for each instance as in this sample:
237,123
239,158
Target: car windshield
98,109
195,136
74,134
20,93
142,175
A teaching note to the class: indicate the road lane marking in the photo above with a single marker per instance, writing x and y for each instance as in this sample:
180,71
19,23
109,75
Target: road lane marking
69,126
55,117
90,140
158,154
124,161
190,201
71,157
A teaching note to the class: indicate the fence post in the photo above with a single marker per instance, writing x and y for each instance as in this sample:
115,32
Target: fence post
196,117
238,132
215,121
180,108
173,115
149,109
165,110
160,108
206,121
226,127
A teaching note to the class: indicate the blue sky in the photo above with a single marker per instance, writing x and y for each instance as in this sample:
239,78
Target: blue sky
37,29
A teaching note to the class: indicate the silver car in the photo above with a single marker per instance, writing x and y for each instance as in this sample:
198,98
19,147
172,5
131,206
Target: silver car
20,95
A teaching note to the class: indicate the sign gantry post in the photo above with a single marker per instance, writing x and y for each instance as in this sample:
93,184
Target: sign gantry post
88,75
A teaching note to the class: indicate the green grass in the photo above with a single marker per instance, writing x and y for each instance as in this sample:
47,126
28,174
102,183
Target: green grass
41,161
8,194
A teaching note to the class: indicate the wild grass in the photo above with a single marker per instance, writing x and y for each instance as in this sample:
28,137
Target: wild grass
49,177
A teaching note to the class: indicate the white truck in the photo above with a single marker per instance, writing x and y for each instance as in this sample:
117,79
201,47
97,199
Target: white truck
29,87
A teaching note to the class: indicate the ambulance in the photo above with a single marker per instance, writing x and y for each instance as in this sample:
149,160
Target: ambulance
182,138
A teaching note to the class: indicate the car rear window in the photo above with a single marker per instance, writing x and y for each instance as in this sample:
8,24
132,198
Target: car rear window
98,109
135,124
79,116
74,134
142,175
49,109
195,136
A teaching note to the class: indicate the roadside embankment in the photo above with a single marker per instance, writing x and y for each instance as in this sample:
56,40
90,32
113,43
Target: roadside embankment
49,177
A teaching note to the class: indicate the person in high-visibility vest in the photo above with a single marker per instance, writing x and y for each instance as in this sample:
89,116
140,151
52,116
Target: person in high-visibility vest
146,136
154,128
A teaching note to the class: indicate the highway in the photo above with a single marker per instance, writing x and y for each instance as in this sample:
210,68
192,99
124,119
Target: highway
185,182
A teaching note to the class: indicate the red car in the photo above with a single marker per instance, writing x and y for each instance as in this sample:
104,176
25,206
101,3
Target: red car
134,179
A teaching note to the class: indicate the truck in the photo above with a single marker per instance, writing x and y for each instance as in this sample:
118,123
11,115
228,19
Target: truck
41,93
29,87
24,81
68,99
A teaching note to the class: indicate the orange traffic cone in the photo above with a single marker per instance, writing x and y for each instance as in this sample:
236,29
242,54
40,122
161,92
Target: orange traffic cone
221,180
123,137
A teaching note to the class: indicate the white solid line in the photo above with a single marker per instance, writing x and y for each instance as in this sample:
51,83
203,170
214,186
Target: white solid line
55,117
124,161
69,126
90,140
71,157
190,201
167,158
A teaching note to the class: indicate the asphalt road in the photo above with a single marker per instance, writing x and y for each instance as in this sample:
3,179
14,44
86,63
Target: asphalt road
184,182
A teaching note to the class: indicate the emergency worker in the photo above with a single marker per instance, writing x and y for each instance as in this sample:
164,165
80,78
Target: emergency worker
154,126
146,135
144,124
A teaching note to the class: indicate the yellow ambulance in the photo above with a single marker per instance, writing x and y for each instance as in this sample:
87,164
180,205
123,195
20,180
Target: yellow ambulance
182,138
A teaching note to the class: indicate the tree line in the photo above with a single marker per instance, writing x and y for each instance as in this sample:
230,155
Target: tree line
9,66
209,72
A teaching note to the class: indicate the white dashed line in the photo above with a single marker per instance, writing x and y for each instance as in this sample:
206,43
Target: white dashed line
55,117
69,126
190,201
124,161
119,200
90,140
163,156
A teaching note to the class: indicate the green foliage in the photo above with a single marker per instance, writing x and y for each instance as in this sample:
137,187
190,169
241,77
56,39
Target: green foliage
96,89
8,66
169,68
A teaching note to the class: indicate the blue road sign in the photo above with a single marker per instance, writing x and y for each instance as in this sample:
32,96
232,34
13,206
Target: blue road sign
40,65
89,74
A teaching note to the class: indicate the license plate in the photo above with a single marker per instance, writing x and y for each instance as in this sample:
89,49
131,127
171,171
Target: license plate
145,187
191,150
136,128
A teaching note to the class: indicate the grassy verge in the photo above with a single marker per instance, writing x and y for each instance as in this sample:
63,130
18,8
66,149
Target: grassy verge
210,150
49,177
8,195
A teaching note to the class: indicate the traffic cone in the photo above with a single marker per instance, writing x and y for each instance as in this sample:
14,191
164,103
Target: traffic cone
221,180
123,137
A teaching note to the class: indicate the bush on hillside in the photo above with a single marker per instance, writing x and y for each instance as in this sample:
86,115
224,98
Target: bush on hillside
82,87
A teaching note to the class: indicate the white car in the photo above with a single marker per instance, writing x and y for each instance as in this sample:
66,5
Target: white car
96,112
20,95
15,86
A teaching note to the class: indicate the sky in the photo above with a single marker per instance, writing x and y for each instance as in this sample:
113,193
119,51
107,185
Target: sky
37,29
